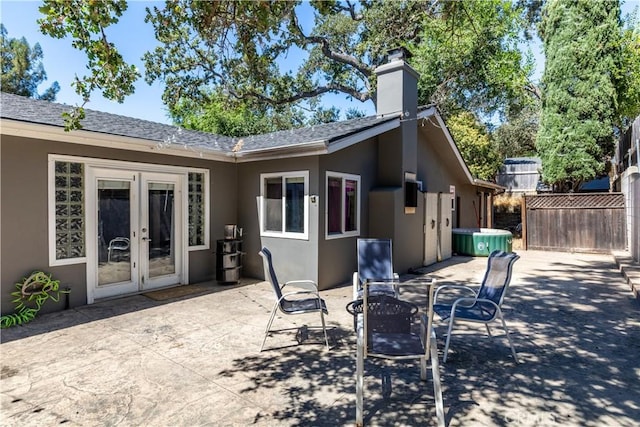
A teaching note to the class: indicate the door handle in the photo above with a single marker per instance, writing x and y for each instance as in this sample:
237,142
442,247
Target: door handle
146,239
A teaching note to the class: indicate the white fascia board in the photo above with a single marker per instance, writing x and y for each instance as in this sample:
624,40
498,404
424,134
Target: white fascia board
488,184
350,140
97,139
283,151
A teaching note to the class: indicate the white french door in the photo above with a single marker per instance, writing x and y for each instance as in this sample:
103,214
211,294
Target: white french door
135,241
160,232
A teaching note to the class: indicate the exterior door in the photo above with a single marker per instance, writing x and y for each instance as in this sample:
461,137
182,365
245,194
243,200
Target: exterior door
430,228
136,237
160,234
444,228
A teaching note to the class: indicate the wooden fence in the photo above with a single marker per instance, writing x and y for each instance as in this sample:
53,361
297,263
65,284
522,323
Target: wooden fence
592,222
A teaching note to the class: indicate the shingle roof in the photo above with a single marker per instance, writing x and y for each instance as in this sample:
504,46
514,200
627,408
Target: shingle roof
328,132
48,113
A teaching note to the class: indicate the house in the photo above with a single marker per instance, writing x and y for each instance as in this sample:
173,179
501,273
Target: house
126,205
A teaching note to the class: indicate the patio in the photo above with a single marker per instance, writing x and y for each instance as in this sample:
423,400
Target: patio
194,360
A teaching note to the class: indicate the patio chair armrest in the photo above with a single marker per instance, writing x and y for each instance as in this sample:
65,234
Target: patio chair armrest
308,285
300,292
462,301
458,287
488,301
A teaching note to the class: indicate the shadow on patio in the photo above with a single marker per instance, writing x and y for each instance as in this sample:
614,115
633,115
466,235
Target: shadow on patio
194,361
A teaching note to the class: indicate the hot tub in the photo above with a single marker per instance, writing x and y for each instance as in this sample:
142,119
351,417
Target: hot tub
480,241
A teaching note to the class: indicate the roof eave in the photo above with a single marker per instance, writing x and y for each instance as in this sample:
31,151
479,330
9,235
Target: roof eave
284,151
344,142
98,139
489,184
454,147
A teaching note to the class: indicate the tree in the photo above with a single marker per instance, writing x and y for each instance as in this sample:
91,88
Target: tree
221,117
236,47
22,69
628,77
86,23
516,137
475,145
471,60
581,40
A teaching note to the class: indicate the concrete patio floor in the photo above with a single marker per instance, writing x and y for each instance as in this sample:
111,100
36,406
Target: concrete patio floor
194,360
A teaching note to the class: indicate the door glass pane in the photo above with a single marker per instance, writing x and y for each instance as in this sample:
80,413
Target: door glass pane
114,231
161,230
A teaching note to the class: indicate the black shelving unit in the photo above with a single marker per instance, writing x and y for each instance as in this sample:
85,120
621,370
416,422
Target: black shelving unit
228,260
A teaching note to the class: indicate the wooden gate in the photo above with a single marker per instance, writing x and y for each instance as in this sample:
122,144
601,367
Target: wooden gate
589,222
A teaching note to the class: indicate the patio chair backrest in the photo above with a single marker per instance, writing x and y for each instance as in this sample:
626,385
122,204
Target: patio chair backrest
375,260
269,272
498,276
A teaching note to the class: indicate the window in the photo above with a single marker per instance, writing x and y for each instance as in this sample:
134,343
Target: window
343,205
68,228
197,213
285,210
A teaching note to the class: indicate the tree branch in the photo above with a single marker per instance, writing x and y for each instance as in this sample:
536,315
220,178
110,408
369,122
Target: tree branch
331,87
534,90
327,52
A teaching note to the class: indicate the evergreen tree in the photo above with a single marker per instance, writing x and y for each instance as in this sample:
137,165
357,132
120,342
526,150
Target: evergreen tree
581,41
22,69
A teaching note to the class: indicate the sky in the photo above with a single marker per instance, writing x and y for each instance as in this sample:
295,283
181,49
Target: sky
133,37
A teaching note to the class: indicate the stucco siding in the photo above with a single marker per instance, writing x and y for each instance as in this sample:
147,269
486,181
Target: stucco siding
293,259
338,256
24,215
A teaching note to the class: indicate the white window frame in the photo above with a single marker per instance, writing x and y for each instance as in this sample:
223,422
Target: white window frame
284,234
343,234
89,162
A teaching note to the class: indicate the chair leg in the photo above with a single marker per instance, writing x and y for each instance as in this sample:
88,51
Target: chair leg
423,368
504,325
360,379
446,346
486,325
324,329
437,388
266,331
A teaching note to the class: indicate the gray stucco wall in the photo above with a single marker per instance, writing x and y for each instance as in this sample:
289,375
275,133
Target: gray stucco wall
24,223
338,257
438,173
293,259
